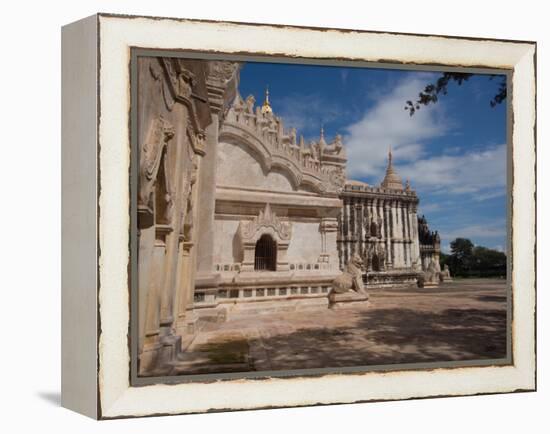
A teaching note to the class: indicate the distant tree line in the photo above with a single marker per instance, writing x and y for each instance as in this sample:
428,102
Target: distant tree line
468,260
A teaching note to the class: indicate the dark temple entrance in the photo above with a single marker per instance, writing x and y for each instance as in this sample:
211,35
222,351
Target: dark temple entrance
265,254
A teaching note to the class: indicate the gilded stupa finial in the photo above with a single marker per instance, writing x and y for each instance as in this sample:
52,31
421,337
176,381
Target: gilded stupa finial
266,106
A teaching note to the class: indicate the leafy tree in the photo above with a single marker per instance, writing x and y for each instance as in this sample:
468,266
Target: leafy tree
488,261
432,91
443,260
468,260
460,261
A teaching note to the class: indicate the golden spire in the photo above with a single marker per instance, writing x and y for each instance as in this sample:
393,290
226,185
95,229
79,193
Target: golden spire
266,107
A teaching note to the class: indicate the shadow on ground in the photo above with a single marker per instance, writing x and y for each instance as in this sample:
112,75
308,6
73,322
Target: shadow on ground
391,336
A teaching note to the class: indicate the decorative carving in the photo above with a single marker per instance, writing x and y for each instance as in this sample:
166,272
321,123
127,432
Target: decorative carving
336,147
374,256
187,222
336,179
318,164
266,219
159,134
328,225
157,74
221,72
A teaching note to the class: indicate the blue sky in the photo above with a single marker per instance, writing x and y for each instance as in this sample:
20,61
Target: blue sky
453,152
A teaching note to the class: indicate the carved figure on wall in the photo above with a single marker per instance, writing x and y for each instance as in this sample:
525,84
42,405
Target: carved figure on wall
373,228
335,147
250,101
159,134
293,136
187,222
352,277
366,228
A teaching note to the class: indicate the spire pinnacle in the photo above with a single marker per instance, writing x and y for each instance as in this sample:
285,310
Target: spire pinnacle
392,180
266,107
322,141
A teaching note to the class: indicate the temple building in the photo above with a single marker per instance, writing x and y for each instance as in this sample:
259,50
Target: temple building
276,209
236,212
380,223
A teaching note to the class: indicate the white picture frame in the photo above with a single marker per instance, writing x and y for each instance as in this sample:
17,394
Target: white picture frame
96,378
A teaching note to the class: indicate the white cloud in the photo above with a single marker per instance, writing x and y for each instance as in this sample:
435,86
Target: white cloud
388,124
495,229
489,234
430,207
480,172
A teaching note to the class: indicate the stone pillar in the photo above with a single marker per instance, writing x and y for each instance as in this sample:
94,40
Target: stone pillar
394,234
178,183
387,234
360,227
339,239
348,232
344,259
411,232
404,218
151,340
404,221
407,234
352,223
399,234
416,242
167,290
185,286
205,242
146,246
328,229
184,318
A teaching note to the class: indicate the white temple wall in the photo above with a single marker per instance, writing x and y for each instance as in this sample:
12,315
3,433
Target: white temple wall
237,166
227,249
305,244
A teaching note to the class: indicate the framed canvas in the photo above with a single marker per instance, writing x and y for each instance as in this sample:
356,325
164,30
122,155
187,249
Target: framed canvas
260,216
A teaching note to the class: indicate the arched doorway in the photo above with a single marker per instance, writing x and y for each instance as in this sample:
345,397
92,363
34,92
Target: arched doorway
265,254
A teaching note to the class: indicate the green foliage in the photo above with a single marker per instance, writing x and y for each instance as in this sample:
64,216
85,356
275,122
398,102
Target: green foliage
467,260
443,259
432,91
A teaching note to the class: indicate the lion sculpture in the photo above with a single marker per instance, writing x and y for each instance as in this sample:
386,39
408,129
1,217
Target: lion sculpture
431,275
352,277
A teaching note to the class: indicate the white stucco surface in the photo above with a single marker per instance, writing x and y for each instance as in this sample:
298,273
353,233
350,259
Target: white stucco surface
238,166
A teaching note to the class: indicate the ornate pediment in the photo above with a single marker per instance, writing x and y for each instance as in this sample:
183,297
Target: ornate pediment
266,221
319,164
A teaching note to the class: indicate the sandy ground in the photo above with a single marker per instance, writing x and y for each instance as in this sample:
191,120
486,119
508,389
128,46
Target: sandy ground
460,320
